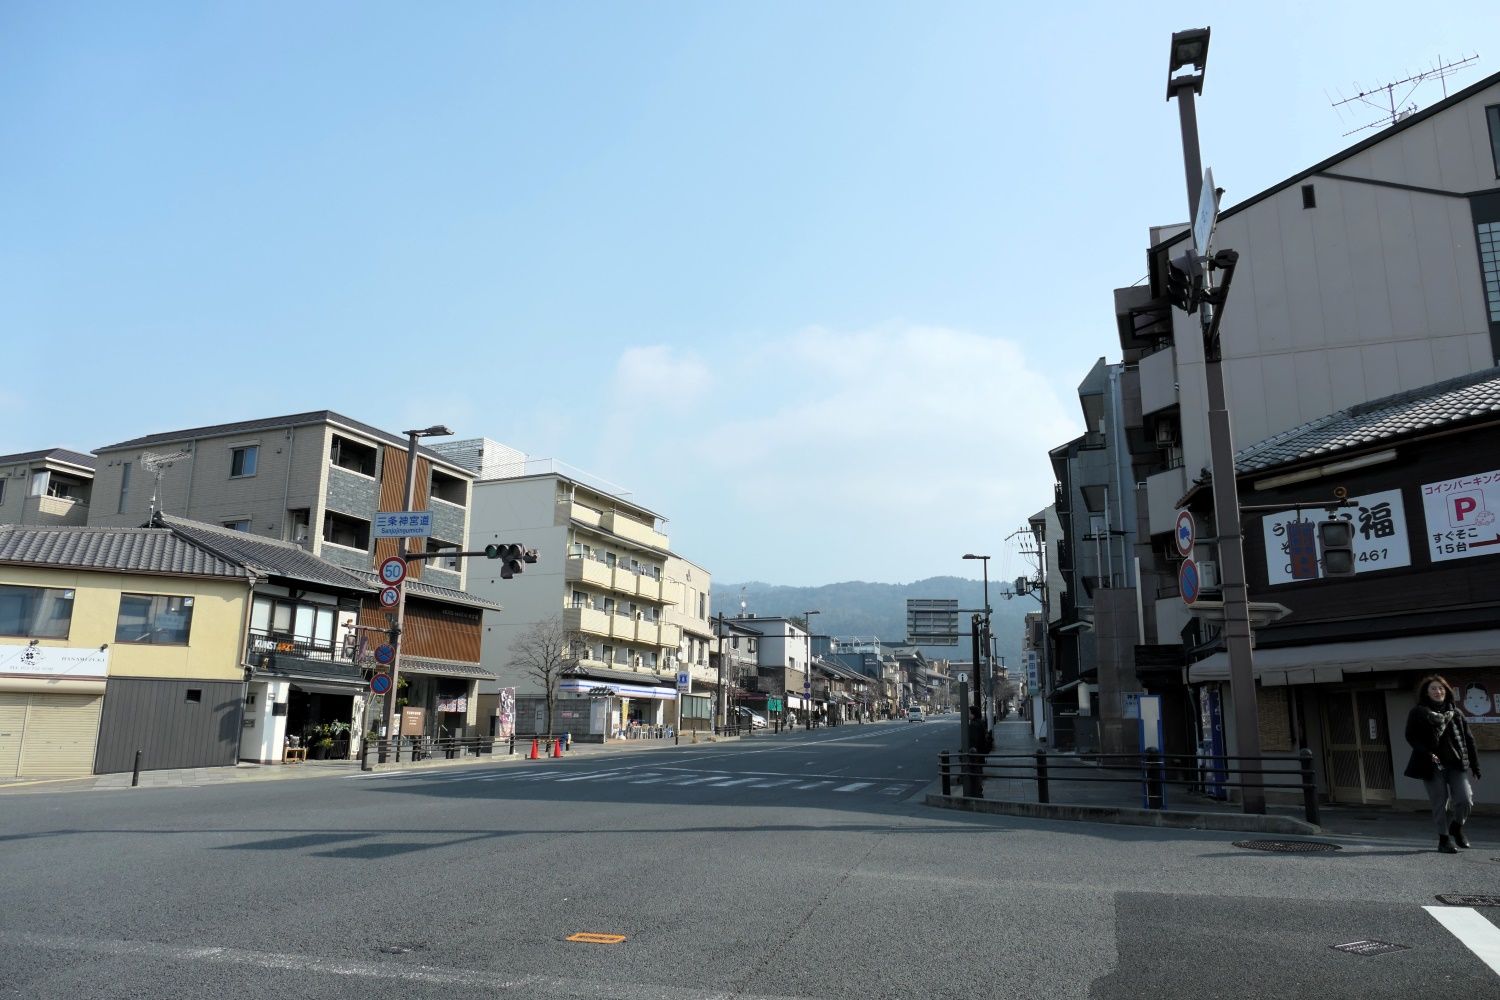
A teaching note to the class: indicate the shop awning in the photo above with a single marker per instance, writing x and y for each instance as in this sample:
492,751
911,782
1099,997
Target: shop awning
1334,661
315,687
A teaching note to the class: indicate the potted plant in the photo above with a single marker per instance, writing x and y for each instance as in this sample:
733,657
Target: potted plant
320,742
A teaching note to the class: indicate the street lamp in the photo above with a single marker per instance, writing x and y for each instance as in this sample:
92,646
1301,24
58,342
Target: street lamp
436,430
984,645
807,677
1190,48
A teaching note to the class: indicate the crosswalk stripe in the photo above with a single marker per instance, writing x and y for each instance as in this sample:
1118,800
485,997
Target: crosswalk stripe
815,784
893,790
695,781
587,777
1474,931
726,784
774,784
854,787
648,781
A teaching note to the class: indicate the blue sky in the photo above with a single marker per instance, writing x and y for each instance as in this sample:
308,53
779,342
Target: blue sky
815,281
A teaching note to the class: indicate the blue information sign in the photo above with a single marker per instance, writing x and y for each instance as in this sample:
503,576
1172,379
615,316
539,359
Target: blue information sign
385,653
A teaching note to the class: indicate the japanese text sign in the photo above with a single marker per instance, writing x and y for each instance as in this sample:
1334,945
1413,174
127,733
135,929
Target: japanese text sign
403,524
1461,516
1380,539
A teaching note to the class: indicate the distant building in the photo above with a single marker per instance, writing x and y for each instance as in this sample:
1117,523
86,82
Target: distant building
51,487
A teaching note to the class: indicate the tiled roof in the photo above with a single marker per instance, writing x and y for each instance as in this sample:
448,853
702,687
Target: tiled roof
272,423
421,589
444,668
1468,397
126,550
269,556
55,454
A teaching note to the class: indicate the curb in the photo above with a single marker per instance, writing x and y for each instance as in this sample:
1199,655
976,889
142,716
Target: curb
1235,822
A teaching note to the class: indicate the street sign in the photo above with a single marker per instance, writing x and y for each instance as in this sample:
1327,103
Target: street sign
393,571
380,683
1187,581
385,653
1186,533
683,680
1208,214
773,704
390,597
403,524
807,689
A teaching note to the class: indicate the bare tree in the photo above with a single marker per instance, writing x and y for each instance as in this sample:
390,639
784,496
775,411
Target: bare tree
544,651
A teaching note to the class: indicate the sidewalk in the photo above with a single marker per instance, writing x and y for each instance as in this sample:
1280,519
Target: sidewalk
1091,801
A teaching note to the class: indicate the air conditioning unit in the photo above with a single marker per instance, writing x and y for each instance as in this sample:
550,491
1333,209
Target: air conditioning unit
1208,576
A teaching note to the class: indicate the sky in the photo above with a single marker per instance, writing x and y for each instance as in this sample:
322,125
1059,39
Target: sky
815,282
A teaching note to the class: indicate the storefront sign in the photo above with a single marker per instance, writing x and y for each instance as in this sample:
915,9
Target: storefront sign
1380,540
413,721
453,703
60,662
1461,516
1479,698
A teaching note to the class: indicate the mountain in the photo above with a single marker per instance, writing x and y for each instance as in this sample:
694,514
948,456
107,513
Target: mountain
878,610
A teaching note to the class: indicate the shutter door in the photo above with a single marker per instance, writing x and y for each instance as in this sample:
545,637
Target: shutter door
12,727
61,730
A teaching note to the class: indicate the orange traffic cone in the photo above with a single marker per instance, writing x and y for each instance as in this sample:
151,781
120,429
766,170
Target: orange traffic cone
557,749
534,754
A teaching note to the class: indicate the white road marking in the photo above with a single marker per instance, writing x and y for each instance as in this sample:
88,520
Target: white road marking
1472,930
586,777
774,784
648,781
815,784
694,781
856,786
726,784
524,986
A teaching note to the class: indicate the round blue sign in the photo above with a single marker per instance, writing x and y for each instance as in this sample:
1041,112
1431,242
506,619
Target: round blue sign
380,683
1187,581
385,653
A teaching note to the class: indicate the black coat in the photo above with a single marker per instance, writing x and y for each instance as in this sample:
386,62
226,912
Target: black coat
1454,745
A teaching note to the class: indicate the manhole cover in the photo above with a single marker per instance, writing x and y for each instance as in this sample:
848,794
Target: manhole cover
1454,899
1368,947
1288,846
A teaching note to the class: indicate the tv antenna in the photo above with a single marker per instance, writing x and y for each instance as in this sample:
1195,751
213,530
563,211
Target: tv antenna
157,465
1393,108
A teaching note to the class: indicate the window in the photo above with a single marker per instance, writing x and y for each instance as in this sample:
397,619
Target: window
1309,196
241,525
193,696
702,606
2,491
580,599
347,531
447,562
449,488
1489,263
1492,113
35,612
154,619
310,625
124,486
242,460
353,456
301,522
40,480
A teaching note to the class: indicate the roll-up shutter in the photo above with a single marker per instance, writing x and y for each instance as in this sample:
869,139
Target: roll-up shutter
59,735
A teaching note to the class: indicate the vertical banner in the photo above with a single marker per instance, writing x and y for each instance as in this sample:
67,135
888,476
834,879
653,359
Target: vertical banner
505,714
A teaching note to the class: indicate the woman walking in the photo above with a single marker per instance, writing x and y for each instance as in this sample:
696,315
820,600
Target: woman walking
1443,757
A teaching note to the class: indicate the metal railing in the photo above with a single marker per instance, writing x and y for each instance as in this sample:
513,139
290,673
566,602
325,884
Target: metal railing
1152,773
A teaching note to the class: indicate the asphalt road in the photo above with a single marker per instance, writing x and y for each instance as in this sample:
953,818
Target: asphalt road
799,865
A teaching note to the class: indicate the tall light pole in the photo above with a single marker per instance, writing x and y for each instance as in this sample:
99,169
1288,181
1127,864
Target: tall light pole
982,643
807,677
437,430
1190,48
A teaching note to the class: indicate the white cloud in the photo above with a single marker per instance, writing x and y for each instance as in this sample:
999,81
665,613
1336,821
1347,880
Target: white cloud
659,371
880,454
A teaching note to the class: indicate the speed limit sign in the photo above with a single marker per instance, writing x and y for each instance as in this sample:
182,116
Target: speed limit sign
393,571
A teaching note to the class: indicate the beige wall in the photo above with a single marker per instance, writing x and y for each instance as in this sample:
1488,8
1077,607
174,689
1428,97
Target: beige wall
215,637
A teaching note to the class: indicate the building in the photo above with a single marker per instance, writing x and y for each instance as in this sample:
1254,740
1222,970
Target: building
783,650
51,487
690,588
601,576
734,662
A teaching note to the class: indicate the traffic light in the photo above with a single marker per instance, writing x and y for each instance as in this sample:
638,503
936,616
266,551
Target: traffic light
1336,537
1185,282
513,558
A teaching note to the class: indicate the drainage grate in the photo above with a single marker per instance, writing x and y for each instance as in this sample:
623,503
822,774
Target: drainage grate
1288,846
1454,899
1368,948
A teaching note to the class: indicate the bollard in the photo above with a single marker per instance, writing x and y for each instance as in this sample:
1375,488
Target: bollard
512,744
1151,773
943,773
1309,788
1041,777
135,777
364,755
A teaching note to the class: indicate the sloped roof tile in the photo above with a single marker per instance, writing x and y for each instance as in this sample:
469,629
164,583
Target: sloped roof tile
127,550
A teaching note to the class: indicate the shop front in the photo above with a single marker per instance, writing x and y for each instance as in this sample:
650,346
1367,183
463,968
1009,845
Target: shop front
50,703
620,704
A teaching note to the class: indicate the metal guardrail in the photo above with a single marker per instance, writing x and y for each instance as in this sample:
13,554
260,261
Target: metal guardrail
1154,773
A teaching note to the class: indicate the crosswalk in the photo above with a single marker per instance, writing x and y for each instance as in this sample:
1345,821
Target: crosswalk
676,777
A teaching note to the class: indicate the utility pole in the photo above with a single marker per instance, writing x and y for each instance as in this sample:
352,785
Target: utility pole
807,677
1190,48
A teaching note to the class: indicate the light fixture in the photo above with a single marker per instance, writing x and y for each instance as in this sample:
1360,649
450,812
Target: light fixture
436,430
1329,469
1189,48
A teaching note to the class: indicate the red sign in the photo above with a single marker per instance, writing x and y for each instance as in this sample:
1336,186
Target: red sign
393,571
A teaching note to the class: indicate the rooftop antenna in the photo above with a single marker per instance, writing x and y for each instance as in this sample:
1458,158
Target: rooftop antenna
1392,108
156,465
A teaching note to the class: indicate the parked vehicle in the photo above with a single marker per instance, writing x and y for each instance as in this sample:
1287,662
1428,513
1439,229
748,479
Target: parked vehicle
756,721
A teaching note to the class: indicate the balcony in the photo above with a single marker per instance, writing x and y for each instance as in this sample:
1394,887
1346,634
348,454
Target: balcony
1163,490
632,530
671,636
581,569
54,511
584,515
648,633
587,620
1158,380
279,653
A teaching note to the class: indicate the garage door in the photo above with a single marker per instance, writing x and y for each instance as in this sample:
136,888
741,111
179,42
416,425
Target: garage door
48,735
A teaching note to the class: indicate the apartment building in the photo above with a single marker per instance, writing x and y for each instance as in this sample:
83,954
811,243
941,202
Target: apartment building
783,651
51,487
601,575
690,588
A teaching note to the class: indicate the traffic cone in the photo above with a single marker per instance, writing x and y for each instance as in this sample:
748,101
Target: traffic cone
534,754
557,748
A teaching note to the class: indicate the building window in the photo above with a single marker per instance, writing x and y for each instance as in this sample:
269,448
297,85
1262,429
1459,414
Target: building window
124,486
450,561
580,599
702,606
351,532
242,460
35,612
449,488
1492,114
193,696
353,456
2,491
1489,262
40,480
243,524
154,619
1309,196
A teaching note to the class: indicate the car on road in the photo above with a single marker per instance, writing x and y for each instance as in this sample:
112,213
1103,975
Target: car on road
747,716
913,715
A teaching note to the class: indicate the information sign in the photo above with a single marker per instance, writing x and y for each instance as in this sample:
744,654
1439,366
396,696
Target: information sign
393,571
403,524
